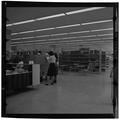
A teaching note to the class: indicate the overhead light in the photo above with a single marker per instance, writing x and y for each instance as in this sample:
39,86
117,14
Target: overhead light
107,38
74,25
18,23
87,36
102,42
68,44
59,34
79,32
69,38
42,36
19,38
32,31
84,10
44,29
30,41
28,38
23,32
55,39
101,29
104,34
37,19
90,23
52,16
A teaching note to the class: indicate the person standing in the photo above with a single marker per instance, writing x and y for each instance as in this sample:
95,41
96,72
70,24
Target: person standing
52,71
56,65
44,67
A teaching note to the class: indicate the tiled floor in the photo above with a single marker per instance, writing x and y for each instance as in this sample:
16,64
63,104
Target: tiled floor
73,93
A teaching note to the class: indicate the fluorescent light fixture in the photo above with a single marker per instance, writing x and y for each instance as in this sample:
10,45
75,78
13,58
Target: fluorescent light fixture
101,41
30,37
91,39
105,35
52,16
42,36
18,38
18,23
102,21
55,39
70,44
37,19
59,34
31,41
69,38
79,32
74,25
32,31
27,38
22,38
101,29
23,32
87,36
107,38
84,10
80,40
79,37
44,29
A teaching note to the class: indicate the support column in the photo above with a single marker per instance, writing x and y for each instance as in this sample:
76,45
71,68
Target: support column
35,74
100,58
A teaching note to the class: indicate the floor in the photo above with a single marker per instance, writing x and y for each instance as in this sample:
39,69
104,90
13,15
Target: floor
73,93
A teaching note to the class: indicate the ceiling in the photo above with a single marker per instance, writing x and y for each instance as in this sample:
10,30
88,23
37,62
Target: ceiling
94,35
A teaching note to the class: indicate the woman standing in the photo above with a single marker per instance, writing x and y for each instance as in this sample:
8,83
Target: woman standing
52,71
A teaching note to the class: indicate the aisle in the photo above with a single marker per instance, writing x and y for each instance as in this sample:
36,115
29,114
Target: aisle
74,93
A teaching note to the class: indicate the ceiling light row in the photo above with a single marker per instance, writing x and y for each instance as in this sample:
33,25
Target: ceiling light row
54,16
67,41
78,32
44,40
66,26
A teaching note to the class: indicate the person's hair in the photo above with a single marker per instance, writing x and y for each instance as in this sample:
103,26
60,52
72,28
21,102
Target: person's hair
39,52
51,53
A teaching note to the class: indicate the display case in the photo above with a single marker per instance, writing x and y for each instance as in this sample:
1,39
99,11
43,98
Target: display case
18,78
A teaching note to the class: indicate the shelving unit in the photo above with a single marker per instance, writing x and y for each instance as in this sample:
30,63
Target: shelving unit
83,59
103,61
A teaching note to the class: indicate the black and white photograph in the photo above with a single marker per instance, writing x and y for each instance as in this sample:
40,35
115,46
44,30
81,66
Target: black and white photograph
59,60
